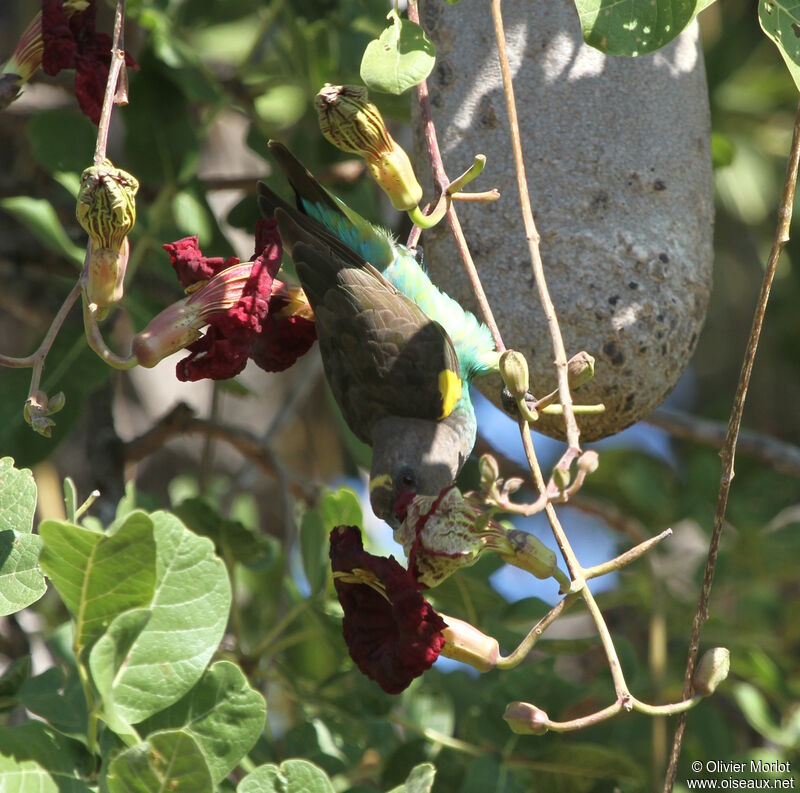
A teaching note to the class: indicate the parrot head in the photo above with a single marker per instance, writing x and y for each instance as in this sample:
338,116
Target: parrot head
416,456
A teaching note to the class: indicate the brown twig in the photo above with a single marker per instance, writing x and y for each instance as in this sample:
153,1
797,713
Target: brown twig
728,452
777,454
115,68
532,235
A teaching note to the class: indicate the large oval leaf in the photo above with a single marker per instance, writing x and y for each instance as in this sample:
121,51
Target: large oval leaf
780,20
633,27
21,581
167,761
222,713
188,614
402,57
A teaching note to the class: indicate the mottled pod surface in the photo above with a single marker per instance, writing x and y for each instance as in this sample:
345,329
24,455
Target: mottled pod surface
618,159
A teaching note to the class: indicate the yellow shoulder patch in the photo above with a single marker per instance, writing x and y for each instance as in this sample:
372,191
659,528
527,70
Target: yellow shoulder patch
450,389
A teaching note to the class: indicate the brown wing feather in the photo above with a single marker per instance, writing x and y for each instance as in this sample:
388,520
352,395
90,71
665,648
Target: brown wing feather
382,354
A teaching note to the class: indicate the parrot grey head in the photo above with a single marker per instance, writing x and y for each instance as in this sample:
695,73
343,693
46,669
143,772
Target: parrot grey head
417,456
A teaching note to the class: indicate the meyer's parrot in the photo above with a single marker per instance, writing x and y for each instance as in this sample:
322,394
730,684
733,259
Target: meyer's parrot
399,354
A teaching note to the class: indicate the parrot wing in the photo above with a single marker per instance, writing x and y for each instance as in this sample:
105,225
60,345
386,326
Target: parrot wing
383,356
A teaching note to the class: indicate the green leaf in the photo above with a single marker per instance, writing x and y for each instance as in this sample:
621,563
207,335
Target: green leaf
282,106
108,657
756,710
232,539
292,776
36,759
57,697
189,612
341,507
70,499
168,761
21,581
17,498
61,140
314,549
336,508
419,780
100,575
72,368
192,216
39,217
12,679
402,57
633,27
223,714
780,20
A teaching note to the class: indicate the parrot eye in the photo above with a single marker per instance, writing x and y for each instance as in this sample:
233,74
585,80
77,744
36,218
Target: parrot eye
407,480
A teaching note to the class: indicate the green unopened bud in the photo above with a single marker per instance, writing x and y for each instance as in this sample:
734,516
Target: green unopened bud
55,403
512,484
711,671
588,462
489,471
464,642
38,409
580,369
562,477
352,123
530,553
514,370
526,719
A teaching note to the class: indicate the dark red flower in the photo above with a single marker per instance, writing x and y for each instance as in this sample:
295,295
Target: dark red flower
223,351
71,42
393,634
249,313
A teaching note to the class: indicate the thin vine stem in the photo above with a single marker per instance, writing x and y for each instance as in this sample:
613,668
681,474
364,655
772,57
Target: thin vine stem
728,451
532,235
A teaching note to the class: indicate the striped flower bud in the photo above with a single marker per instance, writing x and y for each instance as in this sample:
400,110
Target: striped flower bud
106,210
353,124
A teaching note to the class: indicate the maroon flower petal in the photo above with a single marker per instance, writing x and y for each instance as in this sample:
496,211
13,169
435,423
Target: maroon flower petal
214,357
71,42
189,263
282,341
392,638
244,320
60,43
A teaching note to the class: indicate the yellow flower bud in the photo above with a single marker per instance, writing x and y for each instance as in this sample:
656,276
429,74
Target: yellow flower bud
353,124
464,642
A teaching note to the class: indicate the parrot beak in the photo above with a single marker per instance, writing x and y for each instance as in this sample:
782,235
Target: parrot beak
382,496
